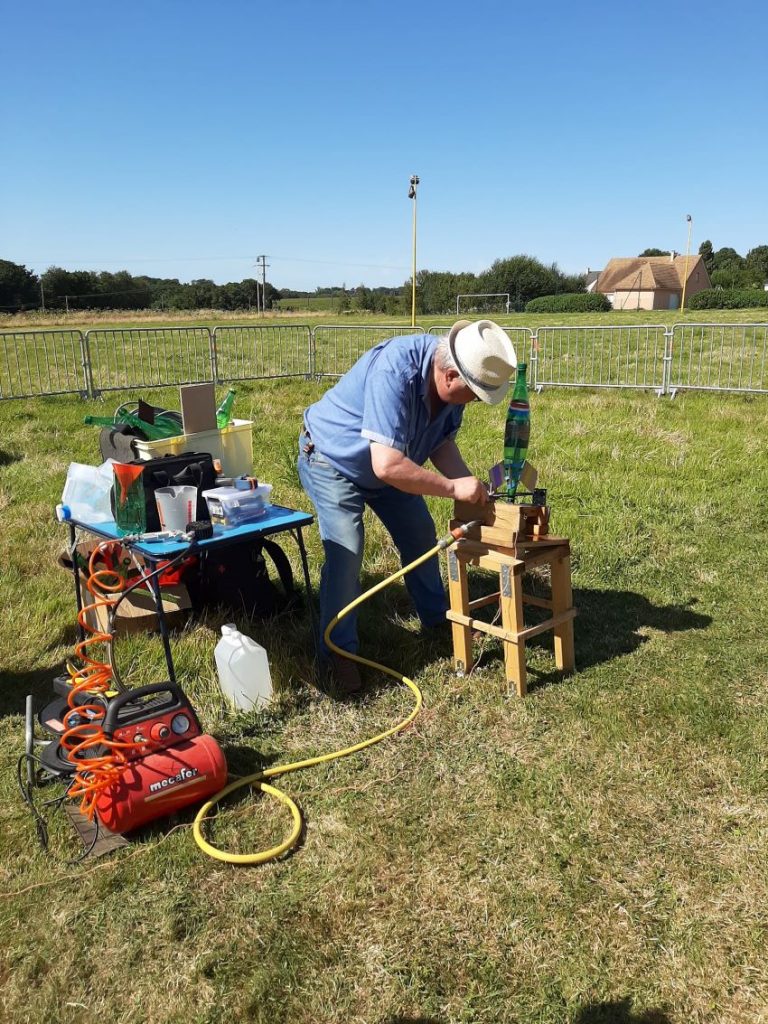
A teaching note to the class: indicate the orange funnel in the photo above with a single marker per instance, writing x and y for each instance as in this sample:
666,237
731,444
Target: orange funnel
125,475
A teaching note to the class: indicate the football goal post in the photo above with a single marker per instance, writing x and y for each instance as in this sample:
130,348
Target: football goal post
483,302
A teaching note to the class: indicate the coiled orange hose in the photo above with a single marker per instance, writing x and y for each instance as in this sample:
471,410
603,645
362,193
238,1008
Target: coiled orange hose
95,773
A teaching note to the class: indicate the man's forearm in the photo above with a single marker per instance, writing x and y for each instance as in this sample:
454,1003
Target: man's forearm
396,469
447,459
407,476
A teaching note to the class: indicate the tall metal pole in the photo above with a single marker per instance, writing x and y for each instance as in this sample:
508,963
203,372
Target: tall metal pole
264,266
412,195
687,254
258,303
42,294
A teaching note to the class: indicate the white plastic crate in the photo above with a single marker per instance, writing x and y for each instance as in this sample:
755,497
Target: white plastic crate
232,445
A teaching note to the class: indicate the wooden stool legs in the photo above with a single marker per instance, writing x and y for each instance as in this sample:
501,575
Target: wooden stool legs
511,604
458,593
512,600
562,601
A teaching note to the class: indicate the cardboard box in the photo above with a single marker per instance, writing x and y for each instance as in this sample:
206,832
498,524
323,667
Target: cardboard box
137,612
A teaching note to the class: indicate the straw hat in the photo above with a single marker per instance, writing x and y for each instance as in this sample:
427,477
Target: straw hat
484,357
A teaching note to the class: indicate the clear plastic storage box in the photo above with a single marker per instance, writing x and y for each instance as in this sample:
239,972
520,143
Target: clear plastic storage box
229,507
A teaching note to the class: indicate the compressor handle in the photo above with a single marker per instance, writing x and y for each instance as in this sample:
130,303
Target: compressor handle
177,701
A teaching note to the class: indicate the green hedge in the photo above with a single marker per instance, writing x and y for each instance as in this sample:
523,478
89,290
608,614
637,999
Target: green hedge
569,302
728,298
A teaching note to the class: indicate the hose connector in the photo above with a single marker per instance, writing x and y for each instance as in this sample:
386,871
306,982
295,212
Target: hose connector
457,533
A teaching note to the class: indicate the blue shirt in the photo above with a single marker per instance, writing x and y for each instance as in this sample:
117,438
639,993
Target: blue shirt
383,398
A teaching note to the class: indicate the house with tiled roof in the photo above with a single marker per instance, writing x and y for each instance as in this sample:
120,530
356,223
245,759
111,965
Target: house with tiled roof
652,282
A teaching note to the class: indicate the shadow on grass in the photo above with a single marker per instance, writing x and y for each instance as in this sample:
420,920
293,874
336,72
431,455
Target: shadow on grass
610,624
412,1020
618,1012
8,458
14,687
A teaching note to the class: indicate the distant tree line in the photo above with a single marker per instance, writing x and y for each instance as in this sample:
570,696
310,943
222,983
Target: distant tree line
86,289
523,277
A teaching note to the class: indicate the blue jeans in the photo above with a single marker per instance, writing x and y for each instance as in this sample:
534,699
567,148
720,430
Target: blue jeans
339,504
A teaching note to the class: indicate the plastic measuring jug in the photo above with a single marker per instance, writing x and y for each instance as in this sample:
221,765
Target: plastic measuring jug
243,668
176,506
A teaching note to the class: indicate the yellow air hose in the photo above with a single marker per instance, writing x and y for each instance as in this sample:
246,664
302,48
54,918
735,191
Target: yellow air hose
258,779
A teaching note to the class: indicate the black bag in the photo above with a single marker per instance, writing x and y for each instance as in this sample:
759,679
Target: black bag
237,578
193,468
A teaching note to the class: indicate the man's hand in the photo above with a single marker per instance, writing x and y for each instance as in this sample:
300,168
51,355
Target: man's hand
469,488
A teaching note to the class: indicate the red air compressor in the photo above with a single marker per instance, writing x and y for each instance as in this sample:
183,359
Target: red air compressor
171,762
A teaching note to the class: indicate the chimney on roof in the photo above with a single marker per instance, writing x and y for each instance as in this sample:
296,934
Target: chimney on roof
672,255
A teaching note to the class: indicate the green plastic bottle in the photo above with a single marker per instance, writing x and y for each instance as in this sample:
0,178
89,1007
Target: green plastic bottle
161,428
224,412
517,433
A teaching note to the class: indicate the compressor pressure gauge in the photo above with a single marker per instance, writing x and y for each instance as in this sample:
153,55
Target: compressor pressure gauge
180,724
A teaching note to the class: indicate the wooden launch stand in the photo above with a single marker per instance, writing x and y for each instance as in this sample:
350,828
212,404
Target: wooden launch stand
511,540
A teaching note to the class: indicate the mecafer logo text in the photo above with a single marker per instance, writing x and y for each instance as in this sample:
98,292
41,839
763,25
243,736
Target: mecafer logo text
173,780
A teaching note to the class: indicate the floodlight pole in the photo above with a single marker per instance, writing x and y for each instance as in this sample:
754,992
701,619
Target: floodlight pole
687,254
414,184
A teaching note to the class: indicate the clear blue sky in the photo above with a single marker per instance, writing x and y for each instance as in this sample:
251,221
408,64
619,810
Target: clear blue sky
181,139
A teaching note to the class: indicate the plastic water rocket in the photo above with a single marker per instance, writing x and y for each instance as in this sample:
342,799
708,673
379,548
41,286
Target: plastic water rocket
516,434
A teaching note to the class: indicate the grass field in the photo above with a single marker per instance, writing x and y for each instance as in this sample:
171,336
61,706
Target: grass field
594,853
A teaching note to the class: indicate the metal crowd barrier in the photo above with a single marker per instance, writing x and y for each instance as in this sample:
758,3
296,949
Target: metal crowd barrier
631,356
719,357
34,363
258,353
337,348
705,357
148,357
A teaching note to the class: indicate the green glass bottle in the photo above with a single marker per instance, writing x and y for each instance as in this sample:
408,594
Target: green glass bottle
516,433
161,428
224,412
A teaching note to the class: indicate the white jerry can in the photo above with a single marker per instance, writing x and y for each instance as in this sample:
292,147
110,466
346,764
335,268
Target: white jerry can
243,669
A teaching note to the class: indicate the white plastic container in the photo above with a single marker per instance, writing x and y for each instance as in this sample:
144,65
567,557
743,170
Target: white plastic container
243,669
232,446
228,506
86,493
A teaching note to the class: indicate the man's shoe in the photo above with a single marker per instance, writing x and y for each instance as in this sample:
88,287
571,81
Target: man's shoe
345,675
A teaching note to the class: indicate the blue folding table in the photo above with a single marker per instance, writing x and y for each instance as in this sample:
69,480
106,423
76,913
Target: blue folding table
277,519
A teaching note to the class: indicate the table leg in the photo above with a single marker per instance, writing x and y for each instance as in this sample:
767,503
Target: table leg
157,594
76,574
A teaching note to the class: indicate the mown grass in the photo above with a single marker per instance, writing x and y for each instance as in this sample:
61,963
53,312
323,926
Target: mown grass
593,853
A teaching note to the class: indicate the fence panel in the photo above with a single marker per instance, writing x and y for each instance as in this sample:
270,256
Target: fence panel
149,357
336,349
42,363
719,357
601,357
253,353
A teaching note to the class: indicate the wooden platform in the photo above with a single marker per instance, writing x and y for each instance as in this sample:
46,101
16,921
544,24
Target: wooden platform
509,541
